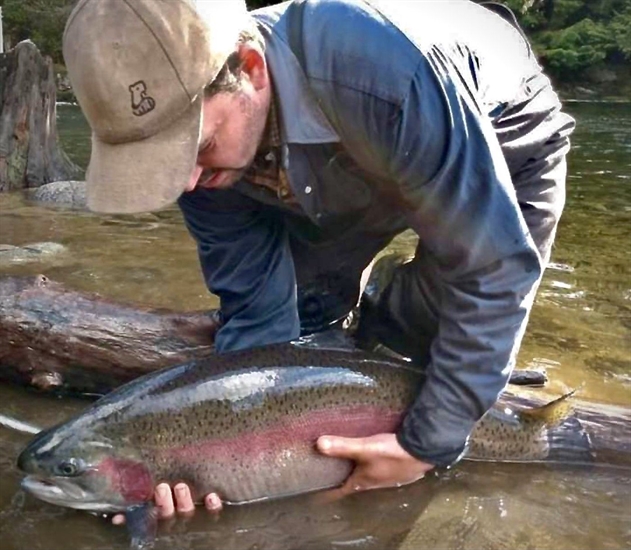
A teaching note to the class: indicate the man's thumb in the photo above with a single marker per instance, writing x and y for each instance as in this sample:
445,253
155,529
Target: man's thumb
341,447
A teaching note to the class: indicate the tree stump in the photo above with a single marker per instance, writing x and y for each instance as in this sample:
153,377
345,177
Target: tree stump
30,154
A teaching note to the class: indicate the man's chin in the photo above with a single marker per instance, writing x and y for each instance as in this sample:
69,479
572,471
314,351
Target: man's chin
224,179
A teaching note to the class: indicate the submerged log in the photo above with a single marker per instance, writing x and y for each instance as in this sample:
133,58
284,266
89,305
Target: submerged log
30,154
63,341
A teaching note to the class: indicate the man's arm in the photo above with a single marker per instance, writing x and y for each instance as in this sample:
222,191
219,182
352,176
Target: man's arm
483,263
246,261
443,159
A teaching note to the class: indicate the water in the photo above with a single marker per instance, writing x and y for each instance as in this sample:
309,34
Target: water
580,331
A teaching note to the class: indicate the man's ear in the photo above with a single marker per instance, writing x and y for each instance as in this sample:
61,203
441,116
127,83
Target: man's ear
254,65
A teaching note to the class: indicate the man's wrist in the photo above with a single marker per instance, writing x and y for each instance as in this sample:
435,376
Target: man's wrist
441,459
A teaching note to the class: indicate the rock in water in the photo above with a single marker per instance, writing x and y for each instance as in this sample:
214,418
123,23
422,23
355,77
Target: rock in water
34,252
67,194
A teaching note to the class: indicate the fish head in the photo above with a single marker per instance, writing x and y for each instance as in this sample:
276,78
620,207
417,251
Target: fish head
82,470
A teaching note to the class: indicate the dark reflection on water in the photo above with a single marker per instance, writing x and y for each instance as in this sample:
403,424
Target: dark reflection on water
580,331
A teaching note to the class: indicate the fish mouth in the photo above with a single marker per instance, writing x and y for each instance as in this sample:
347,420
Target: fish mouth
61,492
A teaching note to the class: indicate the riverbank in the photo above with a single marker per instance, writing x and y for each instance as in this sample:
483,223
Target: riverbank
612,83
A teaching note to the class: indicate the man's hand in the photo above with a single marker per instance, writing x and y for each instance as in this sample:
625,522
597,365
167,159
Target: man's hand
380,462
179,500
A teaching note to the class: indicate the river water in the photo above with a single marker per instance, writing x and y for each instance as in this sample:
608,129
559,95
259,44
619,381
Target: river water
580,332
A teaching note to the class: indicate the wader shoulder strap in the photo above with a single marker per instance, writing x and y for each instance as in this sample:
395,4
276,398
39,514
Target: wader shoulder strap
295,16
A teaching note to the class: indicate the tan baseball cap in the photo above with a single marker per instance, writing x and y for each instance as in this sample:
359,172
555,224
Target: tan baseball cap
138,69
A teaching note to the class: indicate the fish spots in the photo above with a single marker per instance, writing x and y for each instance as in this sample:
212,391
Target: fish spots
264,461
505,435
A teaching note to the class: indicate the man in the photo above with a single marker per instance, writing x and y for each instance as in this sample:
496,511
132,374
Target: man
298,151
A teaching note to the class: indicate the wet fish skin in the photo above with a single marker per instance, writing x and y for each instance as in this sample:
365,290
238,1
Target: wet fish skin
521,435
258,412
244,424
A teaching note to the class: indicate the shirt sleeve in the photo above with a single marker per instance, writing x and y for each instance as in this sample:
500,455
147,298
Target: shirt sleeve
483,265
442,157
246,261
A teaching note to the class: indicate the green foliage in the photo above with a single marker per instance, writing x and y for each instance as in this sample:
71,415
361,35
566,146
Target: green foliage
41,21
621,30
571,36
576,48
566,13
254,4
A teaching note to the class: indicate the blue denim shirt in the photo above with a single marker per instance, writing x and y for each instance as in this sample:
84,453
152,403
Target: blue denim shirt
411,91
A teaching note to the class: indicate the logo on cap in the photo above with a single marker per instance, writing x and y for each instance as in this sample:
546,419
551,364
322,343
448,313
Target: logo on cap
141,103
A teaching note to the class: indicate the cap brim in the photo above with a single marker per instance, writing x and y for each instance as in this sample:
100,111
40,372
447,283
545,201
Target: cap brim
144,175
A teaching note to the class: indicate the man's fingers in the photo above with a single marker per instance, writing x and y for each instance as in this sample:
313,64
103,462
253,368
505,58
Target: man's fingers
338,493
183,499
329,497
341,447
164,501
118,519
213,503
168,502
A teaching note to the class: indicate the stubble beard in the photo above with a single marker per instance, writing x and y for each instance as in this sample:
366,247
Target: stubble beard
257,125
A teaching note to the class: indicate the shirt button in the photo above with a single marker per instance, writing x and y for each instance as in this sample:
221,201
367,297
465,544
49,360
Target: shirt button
307,190
285,156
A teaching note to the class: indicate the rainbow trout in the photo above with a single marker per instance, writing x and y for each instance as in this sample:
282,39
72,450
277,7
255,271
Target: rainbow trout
244,424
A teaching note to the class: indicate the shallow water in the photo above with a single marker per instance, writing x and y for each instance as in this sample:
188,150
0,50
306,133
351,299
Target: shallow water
580,331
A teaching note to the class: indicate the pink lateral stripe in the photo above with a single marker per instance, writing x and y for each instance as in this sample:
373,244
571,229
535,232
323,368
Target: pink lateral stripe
346,422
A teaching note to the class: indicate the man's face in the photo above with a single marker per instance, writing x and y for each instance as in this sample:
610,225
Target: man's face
232,129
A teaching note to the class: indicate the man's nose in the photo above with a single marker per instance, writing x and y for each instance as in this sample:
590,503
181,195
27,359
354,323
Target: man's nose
192,182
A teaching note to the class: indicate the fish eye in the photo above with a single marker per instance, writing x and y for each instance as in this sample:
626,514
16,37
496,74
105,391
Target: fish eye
69,468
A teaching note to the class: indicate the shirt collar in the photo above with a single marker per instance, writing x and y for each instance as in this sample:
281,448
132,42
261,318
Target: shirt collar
301,119
272,133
